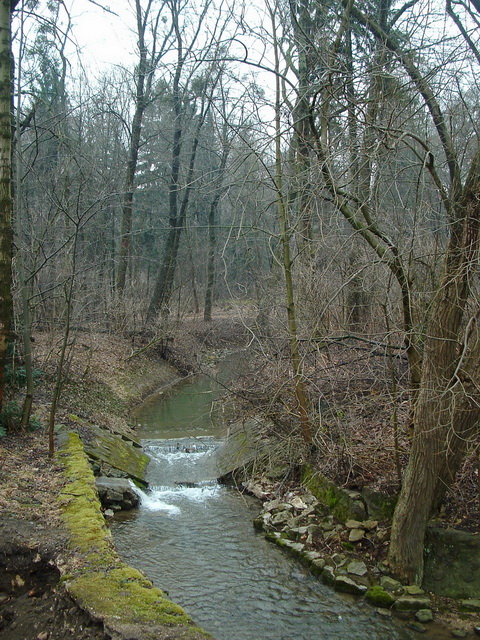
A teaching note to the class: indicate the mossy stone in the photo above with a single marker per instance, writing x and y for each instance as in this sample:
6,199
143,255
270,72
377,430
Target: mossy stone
339,502
424,615
412,603
378,597
470,605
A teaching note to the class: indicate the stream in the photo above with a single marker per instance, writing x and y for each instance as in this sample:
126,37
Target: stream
194,538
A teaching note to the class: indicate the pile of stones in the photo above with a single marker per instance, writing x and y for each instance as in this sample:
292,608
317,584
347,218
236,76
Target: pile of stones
303,526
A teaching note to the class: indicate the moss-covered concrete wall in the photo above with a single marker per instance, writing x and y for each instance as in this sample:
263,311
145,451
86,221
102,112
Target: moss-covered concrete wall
111,591
341,504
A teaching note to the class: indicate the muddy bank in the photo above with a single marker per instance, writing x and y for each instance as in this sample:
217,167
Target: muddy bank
33,604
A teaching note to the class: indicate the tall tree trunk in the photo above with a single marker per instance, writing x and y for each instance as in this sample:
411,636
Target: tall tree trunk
19,226
164,285
212,244
212,236
285,235
6,306
129,185
447,411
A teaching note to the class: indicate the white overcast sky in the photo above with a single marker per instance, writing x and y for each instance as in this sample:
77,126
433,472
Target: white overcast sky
104,39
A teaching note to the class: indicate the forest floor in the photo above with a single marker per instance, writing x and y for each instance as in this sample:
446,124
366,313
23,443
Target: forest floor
106,376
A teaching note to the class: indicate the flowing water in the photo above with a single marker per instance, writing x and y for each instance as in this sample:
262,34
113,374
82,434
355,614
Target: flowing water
194,538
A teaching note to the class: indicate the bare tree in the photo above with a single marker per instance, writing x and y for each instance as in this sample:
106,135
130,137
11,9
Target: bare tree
6,306
148,61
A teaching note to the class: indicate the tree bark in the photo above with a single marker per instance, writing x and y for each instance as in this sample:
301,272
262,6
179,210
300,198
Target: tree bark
447,411
212,236
6,306
287,263
129,188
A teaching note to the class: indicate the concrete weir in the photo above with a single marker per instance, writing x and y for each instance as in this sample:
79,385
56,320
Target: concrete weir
121,597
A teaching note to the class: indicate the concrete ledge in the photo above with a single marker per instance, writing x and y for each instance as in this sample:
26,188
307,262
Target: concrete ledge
101,583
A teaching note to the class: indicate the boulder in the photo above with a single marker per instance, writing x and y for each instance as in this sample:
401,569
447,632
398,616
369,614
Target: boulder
390,584
298,503
339,501
116,493
470,606
424,615
356,535
379,505
412,603
357,568
378,597
452,563
347,585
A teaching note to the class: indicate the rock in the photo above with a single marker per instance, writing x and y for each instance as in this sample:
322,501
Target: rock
416,626
298,503
338,500
255,489
357,568
312,555
424,615
338,559
477,631
297,547
379,506
452,566
328,575
118,492
414,590
108,513
347,585
382,535
317,566
356,535
43,635
370,524
412,603
378,597
353,524
281,518
311,530
299,531
385,613
266,519
459,633
390,584
272,505
359,510
354,495
470,605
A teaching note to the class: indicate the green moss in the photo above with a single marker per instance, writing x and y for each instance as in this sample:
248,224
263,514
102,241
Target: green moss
338,501
79,501
134,598
99,580
377,596
118,453
331,498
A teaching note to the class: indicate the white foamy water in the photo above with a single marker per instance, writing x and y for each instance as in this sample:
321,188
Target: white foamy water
168,498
